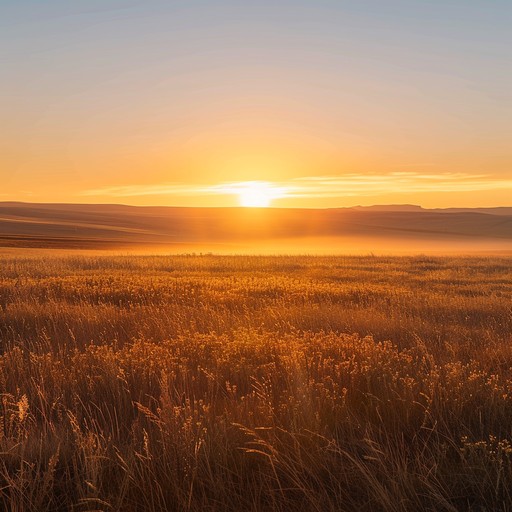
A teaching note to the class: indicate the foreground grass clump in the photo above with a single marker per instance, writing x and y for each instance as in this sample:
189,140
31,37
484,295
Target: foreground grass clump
255,383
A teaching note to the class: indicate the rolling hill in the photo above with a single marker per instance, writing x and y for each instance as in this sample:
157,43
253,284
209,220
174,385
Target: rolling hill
404,227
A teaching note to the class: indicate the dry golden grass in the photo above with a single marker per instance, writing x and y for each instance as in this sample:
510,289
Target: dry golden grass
255,383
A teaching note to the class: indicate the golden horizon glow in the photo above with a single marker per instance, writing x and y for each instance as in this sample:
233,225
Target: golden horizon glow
349,189
256,194
325,104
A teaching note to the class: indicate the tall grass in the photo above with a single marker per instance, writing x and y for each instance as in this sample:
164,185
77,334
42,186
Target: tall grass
255,383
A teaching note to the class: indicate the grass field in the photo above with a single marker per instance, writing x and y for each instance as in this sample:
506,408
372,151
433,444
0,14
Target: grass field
220,383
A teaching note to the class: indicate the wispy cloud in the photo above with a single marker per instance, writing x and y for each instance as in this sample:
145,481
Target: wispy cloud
187,190
150,190
346,185
394,182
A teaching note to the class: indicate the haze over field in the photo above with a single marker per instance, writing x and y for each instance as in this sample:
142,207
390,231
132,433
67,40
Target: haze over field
379,229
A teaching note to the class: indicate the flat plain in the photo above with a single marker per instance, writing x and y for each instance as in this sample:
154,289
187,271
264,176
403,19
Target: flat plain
223,383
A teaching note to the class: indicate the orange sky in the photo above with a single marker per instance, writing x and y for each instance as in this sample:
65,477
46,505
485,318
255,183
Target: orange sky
328,103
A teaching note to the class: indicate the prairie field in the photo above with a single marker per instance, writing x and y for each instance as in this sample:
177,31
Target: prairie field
255,383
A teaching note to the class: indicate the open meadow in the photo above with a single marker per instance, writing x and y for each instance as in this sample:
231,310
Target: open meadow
249,383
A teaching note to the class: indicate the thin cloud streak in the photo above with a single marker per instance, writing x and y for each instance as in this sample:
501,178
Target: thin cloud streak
347,185
397,182
151,190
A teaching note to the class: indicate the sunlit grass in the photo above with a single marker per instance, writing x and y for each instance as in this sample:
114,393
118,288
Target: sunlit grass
255,383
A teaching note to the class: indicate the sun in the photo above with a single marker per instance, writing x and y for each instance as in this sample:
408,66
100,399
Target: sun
256,194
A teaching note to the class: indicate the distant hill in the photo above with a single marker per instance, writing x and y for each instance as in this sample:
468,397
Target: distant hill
116,226
500,210
389,208
503,210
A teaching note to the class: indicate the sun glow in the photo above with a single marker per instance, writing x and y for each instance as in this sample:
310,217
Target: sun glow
256,194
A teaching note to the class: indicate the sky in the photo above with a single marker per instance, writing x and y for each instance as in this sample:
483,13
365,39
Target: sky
318,103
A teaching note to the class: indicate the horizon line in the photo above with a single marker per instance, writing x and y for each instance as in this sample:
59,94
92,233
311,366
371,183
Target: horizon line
239,207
